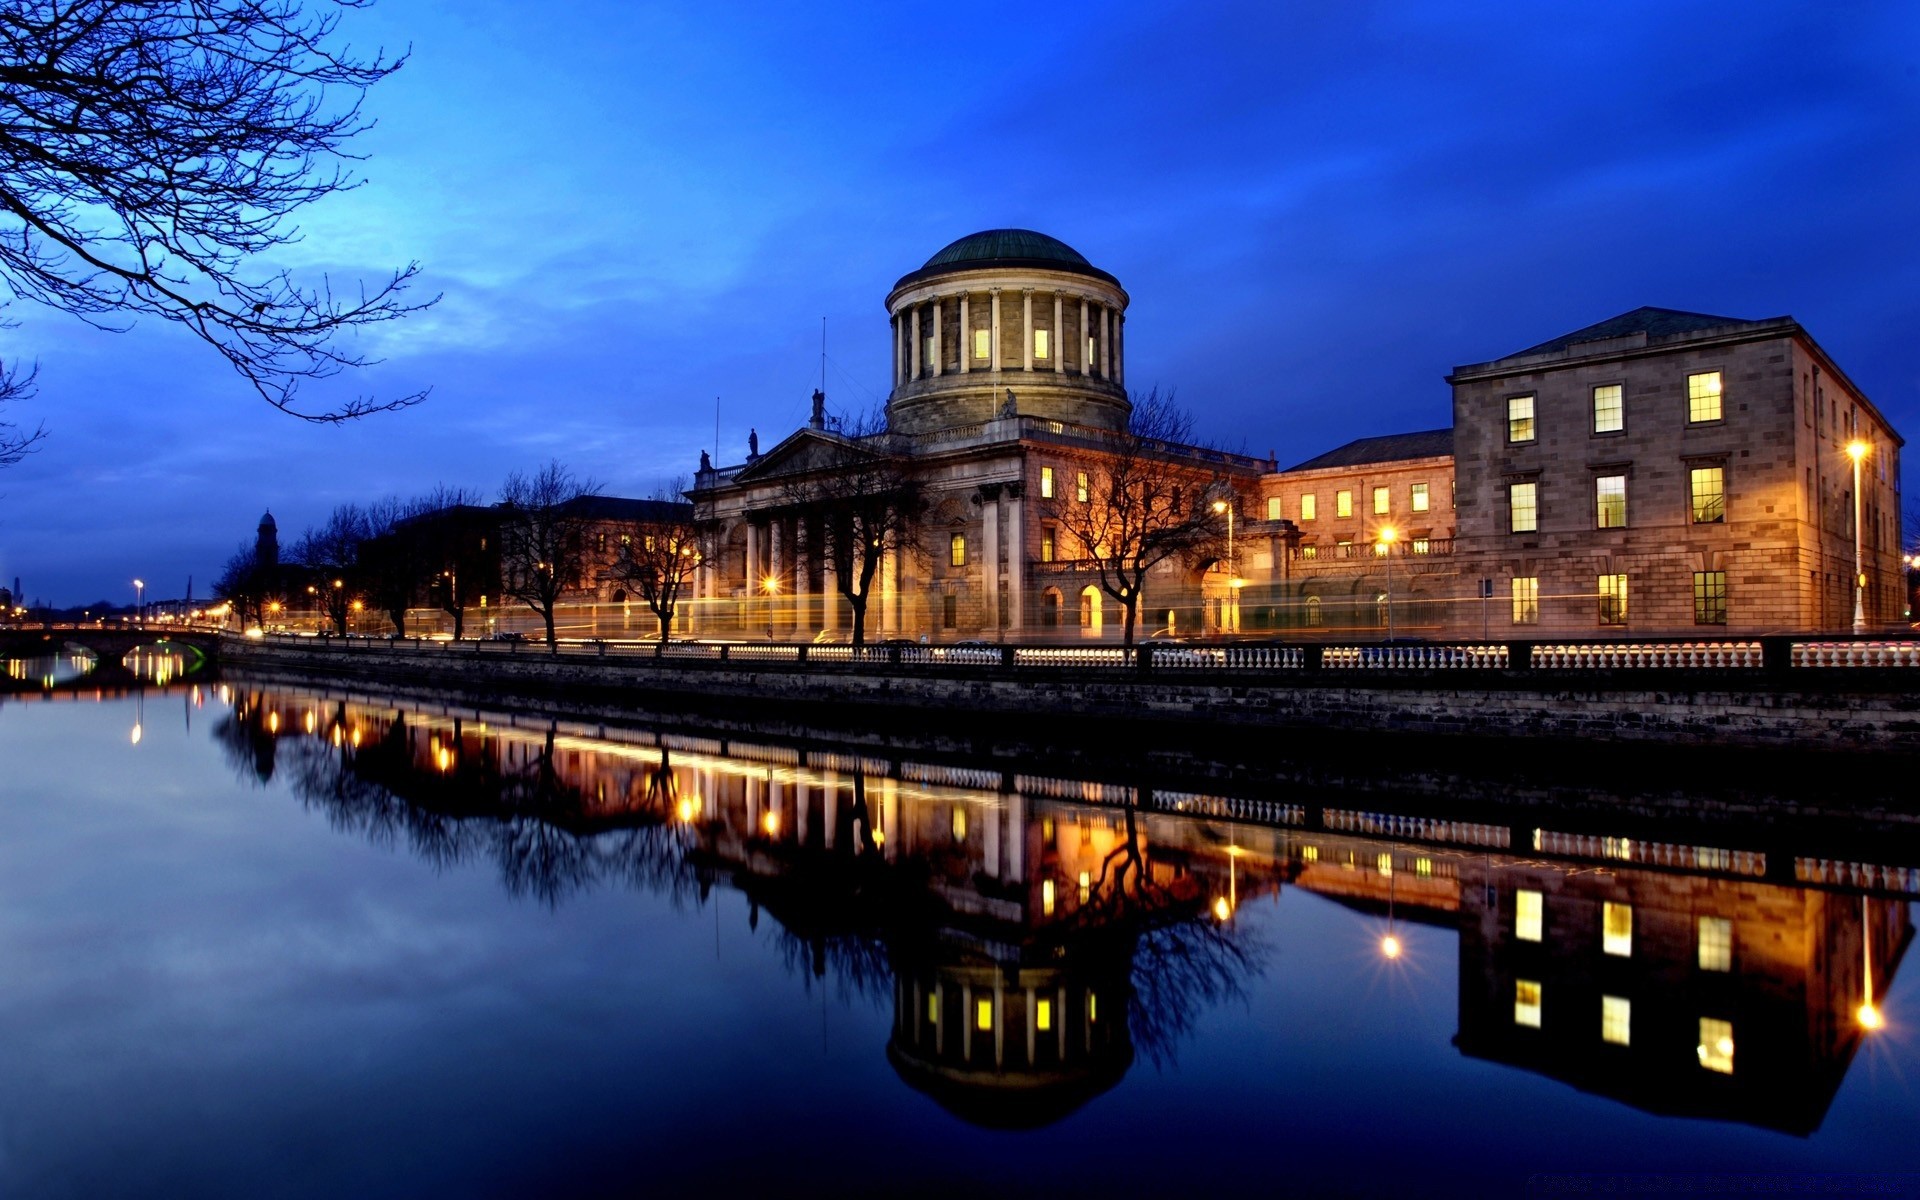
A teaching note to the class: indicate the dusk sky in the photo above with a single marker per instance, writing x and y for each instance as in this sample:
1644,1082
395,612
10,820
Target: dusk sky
1318,210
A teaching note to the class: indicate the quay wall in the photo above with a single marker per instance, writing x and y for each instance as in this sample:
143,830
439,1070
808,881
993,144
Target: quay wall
1807,709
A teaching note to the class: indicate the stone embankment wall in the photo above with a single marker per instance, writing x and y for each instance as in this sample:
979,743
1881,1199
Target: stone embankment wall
1808,709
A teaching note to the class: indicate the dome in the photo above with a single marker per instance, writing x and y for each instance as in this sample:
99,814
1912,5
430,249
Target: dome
998,245
1006,248
266,522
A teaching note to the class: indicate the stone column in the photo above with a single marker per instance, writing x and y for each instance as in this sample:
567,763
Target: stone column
776,564
1086,340
993,338
990,841
1026,329
1059,338
938,355
1119,349
802,579
914,351
753,556
966,337
1016,810
990,555
1106,342
899,357
1016,561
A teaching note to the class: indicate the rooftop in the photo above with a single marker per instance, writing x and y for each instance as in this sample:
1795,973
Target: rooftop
1653,322
1394,447
1006,248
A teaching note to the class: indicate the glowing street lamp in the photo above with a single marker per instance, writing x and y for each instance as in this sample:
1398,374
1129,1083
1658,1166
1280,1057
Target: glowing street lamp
1857,450
1233,570
140,602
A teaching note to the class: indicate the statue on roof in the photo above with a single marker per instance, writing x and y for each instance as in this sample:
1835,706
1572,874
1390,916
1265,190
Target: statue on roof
706,462
753,444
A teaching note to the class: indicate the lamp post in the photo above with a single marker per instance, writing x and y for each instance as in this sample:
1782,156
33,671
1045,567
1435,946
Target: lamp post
1857,450
140,602
1387,537
1232,621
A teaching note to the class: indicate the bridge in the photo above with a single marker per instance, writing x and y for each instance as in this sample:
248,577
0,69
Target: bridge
110,646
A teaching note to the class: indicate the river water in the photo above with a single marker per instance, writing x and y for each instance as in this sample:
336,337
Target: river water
265,939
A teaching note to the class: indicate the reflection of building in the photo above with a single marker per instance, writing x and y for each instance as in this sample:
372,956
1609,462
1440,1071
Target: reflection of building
1034,933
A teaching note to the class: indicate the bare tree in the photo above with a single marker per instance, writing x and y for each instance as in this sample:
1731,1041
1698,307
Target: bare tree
1148,498
660,552
330,555
543,537
16,383
400,561
246,583
869,502
151,151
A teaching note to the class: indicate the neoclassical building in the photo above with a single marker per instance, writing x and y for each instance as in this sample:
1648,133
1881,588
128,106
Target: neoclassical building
1009,370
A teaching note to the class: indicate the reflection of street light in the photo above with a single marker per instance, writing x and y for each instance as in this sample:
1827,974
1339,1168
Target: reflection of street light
1857,450
1870,1017
1387,537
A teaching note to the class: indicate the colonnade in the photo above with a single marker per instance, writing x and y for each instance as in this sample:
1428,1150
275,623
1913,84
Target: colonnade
919,341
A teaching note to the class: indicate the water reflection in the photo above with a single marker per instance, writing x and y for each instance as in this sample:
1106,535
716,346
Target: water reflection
159,664
1034,934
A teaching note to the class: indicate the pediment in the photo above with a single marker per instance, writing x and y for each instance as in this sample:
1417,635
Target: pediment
802,452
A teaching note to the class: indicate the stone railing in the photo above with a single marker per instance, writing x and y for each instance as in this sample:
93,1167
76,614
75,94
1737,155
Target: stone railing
1856,654
1418,657
1613,656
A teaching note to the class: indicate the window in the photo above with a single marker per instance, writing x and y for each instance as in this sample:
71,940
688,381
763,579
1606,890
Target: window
1046,483
1703,396
982,343
1527,911
1382,501
1523,507
1519,418
1616,1020
1613,599
1307,507
1043,1015
1313,611
1609,409
1526,600
983,1013
1526,1003
1090,355
1708,488
1716,944
1046,543
1042,343
1343,504
1610,502
950,611
1080,488
1716,1045
1273,508
1616,929
1046,897
1709,597
926,355
957,550
1420,497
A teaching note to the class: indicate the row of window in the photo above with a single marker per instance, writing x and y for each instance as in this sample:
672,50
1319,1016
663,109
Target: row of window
983,346
1709,598
1616,1024
1715,934
1608,409
1706,501
1419,499
1081,485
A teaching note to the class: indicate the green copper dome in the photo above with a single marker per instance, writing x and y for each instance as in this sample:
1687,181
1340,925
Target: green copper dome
995,245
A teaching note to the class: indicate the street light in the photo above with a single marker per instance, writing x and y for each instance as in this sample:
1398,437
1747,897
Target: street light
1857,450
1232,623
1387,537
139,602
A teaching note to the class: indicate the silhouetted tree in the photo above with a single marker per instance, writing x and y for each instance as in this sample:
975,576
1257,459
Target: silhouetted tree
151,151
247,584
401,556
1148,499
659,554
16,383
330,554
869,502
543,538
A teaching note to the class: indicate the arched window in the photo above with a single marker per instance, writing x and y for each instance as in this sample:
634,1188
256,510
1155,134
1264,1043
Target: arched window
1313,612
1090,610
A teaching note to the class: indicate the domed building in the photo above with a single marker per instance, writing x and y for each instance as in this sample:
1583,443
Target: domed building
1008,396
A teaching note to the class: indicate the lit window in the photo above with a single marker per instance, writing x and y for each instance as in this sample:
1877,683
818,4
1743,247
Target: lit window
1609,409
1086,886
1080,489
1043,1015
1091,355
1613,599
1042,343
933,1008
1310,854
1716,1045
1383,863
1526,1003
1716,944
1046,483
1046,545
959,823
1307,507
1343,504
1703,396
1526,600
983,1014
1709,597
1046,897
957,550
1273,508
1708,487
1616,1020
1420,497
1528,909
1616,929
1523,507
982,343
1610,502
1093,1008
1382,501
926,355
1519,418
1423,867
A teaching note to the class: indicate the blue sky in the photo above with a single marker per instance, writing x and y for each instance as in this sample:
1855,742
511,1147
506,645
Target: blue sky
1318,211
